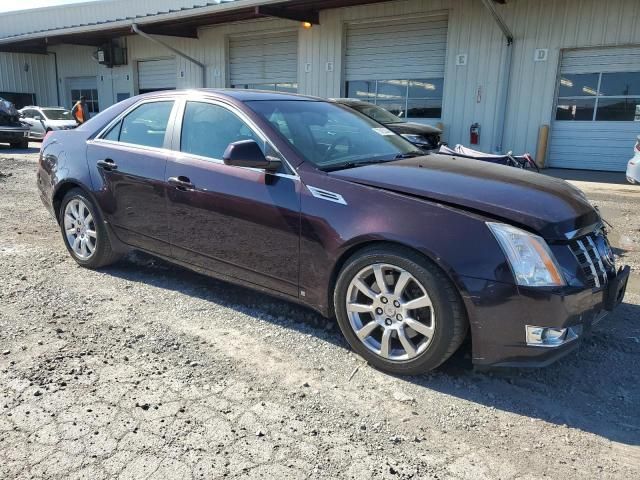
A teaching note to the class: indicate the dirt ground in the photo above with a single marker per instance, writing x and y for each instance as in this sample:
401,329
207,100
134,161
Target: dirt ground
145,370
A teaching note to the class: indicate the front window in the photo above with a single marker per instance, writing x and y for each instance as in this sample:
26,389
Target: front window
408,99
332,136
57,114
208,129
612,97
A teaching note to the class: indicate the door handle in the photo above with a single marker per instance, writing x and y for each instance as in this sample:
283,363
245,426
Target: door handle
107,164
181,183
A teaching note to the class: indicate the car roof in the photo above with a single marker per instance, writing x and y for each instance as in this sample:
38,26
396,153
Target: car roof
238,94
350,101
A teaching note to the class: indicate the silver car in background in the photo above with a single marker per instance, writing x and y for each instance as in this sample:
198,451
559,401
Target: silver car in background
633,167
42,120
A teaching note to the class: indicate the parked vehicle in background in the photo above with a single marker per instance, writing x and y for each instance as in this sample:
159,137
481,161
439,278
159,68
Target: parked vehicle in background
42,120
12,130
315,202
633,167
425,137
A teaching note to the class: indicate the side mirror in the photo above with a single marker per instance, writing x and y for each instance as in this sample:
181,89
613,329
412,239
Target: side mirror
38,118
247,153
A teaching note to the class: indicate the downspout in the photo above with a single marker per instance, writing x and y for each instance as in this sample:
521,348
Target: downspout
135,29
55,63
505,75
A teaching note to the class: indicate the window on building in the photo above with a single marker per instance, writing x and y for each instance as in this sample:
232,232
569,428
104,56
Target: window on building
91,96
408,99
610,97
146,125
20,100
272,87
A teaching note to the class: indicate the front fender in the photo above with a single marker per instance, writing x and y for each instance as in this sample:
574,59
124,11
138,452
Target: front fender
458,241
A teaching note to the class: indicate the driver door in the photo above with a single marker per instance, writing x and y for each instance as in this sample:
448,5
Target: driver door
239,222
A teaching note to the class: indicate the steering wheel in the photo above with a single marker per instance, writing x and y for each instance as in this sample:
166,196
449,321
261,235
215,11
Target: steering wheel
331,151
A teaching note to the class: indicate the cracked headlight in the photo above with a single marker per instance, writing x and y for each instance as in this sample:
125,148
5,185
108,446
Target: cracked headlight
529,256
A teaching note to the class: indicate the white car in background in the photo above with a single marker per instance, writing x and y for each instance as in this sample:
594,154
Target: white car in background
42,120
633,167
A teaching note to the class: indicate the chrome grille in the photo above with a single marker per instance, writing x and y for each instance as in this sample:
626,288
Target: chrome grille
591,261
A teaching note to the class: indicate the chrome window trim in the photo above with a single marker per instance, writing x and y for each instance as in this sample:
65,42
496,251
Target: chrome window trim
192,156
244,117
113,143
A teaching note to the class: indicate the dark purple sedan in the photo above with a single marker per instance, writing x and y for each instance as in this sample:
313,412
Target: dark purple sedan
315,202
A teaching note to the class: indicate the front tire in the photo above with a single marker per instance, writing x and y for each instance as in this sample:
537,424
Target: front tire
398,310
83,231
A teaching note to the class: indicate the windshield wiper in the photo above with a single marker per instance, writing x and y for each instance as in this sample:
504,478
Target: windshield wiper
346,165
411,154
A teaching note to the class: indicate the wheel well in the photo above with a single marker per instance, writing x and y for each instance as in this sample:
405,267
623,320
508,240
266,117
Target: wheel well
380,243
59,195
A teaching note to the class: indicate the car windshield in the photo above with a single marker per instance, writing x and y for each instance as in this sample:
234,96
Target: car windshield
57,114
332,136
377,113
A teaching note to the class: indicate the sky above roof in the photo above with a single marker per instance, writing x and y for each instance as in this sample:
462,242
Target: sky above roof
9,6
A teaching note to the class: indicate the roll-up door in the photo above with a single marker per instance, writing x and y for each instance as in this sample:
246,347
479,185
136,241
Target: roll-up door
597,116
268,61
154,75
398,64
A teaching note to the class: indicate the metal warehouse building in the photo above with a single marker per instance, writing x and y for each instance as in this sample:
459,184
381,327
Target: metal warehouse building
509,65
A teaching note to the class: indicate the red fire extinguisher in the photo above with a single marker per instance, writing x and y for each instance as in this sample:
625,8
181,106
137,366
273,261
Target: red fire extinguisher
474,134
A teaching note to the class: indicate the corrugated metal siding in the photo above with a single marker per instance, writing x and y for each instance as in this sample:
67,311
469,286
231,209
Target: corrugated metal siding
265,58
91,13
471,91
157,74
24,73
601,60
409,47
592,145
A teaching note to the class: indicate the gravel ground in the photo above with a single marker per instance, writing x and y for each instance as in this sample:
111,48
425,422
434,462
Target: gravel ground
145,370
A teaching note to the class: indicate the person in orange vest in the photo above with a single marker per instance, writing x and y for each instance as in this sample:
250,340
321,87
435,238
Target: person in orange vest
79,111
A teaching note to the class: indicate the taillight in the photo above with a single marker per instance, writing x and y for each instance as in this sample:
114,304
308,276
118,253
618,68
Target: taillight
638,145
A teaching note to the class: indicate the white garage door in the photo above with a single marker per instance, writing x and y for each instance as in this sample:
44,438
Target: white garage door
597,117
86,87
265,61
154,75
398,65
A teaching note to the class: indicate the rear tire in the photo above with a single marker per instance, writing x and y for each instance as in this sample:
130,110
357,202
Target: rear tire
410,326
83,231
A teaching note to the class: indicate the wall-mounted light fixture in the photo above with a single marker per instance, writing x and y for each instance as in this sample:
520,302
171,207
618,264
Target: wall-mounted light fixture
307,25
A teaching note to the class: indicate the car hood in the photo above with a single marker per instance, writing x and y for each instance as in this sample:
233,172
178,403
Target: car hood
413,129
549,206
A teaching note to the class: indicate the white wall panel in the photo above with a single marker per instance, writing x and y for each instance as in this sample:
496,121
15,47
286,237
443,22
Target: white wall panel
26,73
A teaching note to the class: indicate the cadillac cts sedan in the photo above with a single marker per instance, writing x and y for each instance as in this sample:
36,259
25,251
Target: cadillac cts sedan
314,202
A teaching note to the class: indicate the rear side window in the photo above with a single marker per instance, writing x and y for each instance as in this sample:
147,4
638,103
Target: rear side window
146,125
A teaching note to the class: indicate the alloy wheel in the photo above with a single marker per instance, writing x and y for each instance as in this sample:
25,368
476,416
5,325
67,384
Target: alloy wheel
80,229
390,312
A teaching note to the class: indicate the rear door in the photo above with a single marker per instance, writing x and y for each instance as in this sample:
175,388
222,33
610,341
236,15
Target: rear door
128,166
239,222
